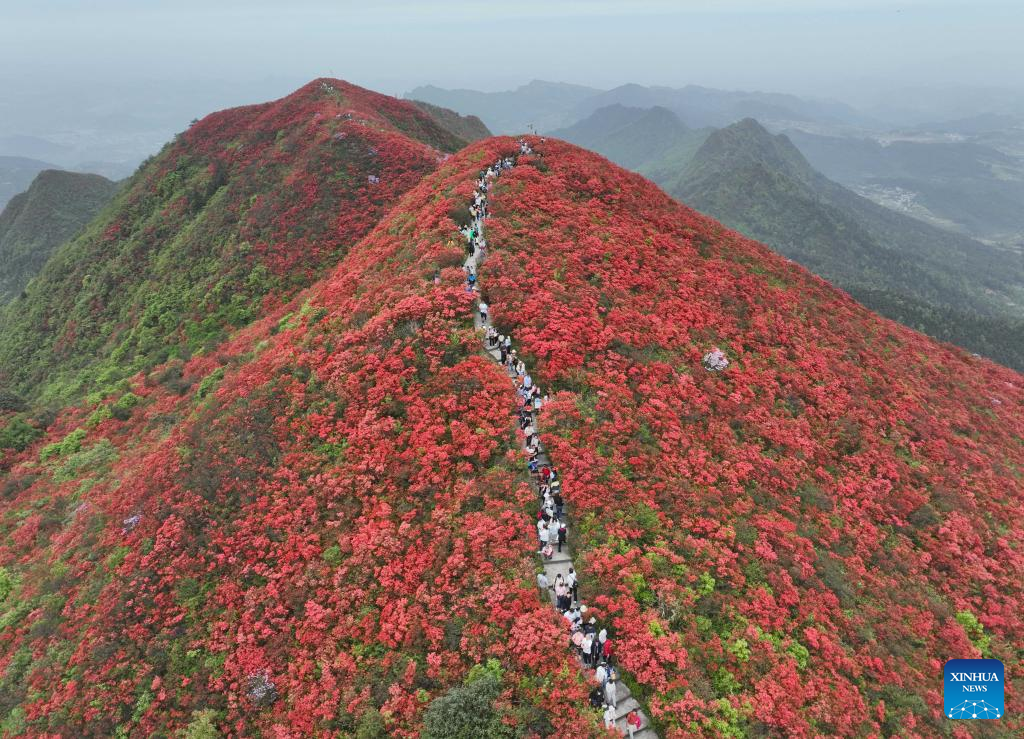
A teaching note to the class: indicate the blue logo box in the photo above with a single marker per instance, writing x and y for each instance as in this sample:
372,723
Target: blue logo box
973,689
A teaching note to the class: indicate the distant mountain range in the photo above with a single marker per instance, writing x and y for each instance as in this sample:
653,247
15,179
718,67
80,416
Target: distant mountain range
54,208
966,185
552,105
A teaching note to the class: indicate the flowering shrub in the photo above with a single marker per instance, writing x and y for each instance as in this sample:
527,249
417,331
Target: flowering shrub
783,547
333,498
226,224
328,536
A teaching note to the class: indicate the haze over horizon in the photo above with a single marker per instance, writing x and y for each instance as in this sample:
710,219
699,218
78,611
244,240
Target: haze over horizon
100,87
859,47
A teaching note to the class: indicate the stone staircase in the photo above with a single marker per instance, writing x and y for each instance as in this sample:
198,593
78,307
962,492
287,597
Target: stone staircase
562,561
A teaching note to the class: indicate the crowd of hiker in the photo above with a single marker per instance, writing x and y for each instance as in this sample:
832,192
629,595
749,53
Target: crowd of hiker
590,641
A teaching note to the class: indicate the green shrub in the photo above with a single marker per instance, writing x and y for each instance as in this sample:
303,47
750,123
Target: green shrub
332,555
975,631
202,726
128,400
98,416
68,445
739,649
724,682
467,711
18,434
7,583
97,457
209,382
371,725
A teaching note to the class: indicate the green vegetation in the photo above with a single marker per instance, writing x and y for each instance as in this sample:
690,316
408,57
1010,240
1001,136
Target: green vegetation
468,711
54,208
467,127
18,434
653,142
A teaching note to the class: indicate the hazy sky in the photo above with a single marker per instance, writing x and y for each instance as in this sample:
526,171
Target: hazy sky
112,80
803,46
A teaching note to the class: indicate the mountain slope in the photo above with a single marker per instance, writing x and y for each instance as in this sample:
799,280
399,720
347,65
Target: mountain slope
54,208
232,218
466,127
653,142
324,527
970,186
311,531
946,285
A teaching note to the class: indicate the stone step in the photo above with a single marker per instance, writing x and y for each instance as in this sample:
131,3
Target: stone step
558,558
623,707
622,691
553,569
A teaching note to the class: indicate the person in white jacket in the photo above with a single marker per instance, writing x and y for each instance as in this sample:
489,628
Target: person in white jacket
609,717
610,690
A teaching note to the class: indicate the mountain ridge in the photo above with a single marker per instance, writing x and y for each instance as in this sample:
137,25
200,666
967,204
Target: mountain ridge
54,208
237,214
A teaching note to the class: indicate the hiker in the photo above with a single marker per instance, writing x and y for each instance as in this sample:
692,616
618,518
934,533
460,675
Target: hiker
563,535
573,584
483,311
596,698
586,645
437,277
542,581
527,381
610,688
559,502
595,652
542,532
633,722
561,595
601,675
607,651
609,717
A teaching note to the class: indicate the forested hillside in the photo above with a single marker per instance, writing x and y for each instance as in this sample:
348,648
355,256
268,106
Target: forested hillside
56,206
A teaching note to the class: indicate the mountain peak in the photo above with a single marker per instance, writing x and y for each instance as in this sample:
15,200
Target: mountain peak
746,143
245,208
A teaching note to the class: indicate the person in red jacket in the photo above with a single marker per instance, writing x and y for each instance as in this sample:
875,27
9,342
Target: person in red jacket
607,651
632,723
